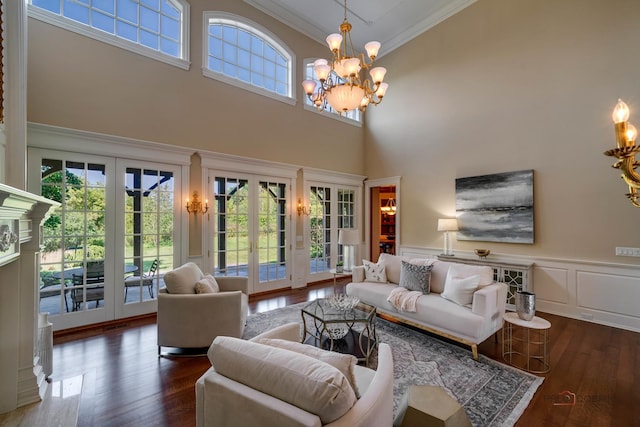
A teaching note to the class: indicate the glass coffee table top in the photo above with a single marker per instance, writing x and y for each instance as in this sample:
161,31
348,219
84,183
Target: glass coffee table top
351,331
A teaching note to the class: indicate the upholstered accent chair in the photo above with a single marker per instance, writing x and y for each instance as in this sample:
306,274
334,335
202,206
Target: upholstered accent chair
271,381
190,320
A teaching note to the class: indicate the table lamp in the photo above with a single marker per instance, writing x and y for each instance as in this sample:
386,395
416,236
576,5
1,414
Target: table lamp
447,225
348,238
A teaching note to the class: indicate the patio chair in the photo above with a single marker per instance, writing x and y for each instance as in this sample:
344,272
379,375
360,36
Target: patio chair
146,279
95,292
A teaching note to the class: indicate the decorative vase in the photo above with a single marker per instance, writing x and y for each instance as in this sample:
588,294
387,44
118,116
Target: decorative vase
339,269
525,305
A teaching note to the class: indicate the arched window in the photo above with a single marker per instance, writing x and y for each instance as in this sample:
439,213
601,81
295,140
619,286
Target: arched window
155,28
242,53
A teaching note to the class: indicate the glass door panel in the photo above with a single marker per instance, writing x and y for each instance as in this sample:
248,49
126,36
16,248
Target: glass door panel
320,229
149,225
272,231
73,276
232,246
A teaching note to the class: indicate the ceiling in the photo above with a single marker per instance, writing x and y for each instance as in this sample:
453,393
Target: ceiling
391,22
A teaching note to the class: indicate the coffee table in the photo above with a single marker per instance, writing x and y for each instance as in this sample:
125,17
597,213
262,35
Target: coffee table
331,329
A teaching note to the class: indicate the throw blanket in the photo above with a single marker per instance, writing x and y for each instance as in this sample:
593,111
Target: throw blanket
403,299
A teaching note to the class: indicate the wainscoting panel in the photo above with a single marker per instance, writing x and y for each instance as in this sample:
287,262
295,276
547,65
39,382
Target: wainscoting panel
598,292
551,284
608,292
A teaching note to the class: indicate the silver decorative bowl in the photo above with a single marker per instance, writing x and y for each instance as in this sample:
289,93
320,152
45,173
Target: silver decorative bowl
342,302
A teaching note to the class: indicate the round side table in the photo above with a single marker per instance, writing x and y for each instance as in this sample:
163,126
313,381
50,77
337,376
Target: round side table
336,275
525,343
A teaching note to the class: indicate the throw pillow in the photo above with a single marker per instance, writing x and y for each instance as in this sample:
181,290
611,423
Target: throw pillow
345,363
182,280
374,272
299,380
207,285
415,277
460,271
460,291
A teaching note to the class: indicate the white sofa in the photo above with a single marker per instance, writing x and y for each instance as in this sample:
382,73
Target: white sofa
469,325
224,402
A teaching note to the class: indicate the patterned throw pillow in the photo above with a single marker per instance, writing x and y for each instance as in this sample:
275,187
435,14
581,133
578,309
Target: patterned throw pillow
374,272
415,277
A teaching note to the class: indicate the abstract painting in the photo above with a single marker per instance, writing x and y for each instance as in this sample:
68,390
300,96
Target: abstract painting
496,208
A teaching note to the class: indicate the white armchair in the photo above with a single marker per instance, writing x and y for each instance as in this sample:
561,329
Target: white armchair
192,321
221,401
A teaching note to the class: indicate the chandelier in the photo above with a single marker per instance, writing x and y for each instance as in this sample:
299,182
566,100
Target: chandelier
340,81
626,151
389,208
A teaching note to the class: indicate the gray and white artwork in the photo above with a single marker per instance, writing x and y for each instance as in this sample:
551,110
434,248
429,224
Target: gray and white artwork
496,208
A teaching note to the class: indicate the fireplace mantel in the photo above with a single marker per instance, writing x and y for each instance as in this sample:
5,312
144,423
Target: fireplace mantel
19,212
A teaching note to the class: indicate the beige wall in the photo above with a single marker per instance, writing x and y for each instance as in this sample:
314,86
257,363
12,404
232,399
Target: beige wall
510,85
77,82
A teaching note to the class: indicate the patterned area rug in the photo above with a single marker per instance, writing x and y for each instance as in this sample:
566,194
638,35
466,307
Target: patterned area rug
492,394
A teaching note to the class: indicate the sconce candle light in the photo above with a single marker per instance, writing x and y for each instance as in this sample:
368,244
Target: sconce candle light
626,151
195,205
303,210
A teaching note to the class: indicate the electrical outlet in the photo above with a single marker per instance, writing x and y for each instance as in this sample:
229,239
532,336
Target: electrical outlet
635,252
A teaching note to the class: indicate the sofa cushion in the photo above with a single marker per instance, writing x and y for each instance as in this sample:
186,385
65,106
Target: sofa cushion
182,280
459,290
415,277
207,285
374,272
393,266
300,380
345,363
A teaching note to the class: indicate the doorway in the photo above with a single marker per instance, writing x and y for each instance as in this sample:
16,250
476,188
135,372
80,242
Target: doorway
383,216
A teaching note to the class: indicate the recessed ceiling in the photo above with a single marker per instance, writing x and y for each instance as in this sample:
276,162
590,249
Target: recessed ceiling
391,22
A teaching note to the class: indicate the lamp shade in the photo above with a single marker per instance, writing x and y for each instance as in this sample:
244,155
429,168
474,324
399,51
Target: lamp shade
447,224
348,236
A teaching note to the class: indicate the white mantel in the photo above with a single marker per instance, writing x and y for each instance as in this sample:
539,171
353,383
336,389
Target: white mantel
21,218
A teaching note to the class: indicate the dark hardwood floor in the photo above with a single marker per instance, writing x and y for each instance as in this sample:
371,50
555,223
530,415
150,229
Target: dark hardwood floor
126,384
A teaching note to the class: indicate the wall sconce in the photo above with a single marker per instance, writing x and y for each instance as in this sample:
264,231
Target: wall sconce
195,205
626,151
303,210
447,225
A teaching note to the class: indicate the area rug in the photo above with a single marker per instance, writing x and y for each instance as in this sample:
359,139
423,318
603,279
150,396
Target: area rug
492,393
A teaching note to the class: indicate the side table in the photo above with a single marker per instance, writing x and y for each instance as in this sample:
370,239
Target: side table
336,275
525,343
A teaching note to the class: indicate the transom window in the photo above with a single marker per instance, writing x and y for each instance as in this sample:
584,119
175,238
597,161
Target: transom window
155,28
350,116
240,52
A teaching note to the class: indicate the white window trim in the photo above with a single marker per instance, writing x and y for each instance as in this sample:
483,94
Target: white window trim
242,22
323,112
85,30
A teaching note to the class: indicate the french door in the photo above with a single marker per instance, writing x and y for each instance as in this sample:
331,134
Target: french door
106,248
250,229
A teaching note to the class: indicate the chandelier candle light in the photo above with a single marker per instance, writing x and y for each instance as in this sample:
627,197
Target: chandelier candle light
626,151
341,84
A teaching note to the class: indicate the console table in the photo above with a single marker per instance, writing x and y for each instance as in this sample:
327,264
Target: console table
518,275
